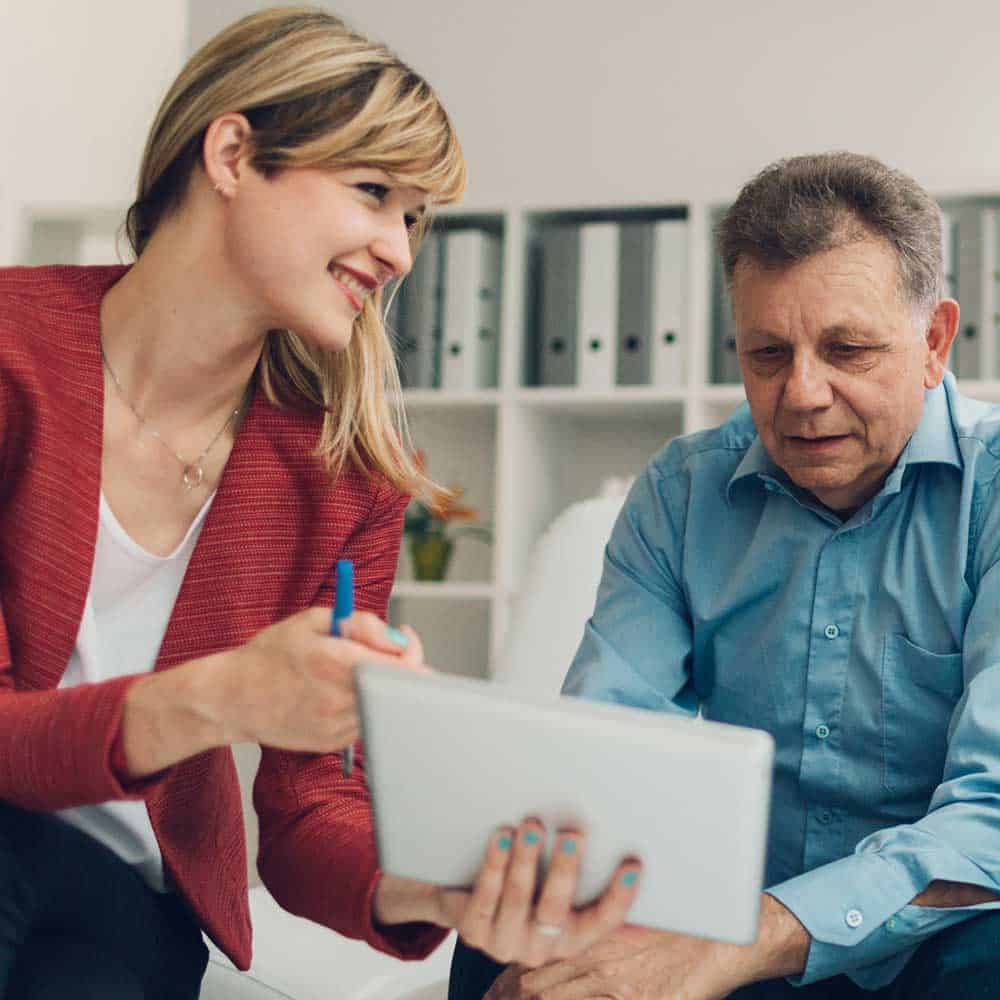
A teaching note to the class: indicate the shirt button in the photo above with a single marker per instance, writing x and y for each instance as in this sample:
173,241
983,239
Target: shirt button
822,731
891,923
831,631
854,918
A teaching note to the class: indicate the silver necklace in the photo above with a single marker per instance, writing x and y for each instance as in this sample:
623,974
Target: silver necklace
193,473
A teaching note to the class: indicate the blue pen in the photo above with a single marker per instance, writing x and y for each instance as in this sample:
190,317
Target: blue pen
343,607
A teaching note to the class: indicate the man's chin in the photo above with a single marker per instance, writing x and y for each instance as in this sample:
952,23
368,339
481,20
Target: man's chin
818,479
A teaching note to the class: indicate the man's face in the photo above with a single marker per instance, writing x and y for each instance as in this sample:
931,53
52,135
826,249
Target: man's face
834,367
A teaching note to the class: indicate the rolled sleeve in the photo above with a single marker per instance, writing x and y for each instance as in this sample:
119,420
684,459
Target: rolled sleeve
844,906
859,909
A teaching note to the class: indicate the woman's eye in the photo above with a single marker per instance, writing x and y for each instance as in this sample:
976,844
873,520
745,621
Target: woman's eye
378,191
411,220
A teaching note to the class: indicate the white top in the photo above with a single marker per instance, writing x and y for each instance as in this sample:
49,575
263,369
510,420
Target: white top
130,600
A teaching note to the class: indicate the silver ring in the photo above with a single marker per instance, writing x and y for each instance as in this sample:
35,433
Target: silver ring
549,930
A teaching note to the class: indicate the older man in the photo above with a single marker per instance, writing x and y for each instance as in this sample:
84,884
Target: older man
825,565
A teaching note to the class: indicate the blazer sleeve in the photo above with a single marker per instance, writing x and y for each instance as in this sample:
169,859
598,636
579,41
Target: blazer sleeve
55,745
317,840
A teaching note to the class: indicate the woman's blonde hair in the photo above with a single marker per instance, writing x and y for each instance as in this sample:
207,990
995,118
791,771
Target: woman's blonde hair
315,94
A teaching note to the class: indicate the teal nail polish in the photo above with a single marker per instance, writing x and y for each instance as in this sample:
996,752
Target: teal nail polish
569,847
397,637
629,879
504,843
531,837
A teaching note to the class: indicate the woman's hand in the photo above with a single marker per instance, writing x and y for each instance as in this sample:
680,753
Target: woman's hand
506,914
291,686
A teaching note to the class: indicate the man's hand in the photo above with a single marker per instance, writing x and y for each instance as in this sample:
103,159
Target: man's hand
641,964
633,964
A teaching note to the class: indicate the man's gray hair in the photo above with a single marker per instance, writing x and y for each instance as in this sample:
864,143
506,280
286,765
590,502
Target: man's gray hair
807,204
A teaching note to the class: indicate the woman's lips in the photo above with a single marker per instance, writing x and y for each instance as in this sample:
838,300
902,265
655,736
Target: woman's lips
352,296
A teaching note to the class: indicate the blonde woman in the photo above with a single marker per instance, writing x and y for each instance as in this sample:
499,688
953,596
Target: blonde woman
180,472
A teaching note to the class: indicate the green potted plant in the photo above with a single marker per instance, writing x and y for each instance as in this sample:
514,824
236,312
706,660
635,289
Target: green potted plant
433,531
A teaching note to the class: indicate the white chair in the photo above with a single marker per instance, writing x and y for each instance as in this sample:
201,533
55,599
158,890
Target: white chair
557,596
295,959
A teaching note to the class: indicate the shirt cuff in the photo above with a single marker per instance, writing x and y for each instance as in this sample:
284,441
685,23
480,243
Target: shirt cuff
841,905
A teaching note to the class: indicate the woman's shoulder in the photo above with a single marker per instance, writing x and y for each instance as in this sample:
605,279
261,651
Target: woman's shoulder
280,443
51,309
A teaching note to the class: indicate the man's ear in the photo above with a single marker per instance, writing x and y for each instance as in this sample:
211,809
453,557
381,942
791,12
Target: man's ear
940,336
226,152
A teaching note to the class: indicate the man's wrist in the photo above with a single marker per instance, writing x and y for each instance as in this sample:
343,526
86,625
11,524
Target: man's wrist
782,947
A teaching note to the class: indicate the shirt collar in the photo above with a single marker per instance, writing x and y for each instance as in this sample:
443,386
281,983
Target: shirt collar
932,442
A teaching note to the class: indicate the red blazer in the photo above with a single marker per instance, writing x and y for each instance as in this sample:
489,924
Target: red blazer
266,549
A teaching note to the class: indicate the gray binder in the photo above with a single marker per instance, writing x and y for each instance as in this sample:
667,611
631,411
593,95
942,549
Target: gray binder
966,351
725,361
635,302
560,265
417,315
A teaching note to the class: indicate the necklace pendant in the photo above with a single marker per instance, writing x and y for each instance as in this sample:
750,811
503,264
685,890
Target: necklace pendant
193,476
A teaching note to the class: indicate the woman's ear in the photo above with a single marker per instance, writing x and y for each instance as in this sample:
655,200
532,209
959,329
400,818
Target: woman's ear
226,152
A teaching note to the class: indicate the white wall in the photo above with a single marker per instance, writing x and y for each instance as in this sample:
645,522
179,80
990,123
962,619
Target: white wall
557,103
81,82
560,103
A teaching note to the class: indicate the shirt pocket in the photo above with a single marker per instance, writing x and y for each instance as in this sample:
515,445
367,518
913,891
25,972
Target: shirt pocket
919,692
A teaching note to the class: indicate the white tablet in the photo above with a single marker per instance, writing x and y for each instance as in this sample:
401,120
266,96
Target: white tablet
450,759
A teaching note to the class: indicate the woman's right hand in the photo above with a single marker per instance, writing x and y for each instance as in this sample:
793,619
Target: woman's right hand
292,685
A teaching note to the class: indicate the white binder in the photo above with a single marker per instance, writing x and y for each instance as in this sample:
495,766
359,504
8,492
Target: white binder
470,330
669,278
597,306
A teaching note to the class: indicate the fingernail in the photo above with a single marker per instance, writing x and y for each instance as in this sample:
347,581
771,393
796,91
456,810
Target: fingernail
630,878
531,837
503,842
397,637
569,846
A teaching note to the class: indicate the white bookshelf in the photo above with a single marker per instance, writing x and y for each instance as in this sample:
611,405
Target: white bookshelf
523,453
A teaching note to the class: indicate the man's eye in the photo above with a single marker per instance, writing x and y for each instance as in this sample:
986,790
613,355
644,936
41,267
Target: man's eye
847,350
411,221
768,353
377,191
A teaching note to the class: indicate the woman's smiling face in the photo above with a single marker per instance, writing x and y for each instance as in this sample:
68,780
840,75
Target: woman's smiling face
310,245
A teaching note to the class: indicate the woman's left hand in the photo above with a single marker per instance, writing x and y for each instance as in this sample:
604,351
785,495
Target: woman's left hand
505,914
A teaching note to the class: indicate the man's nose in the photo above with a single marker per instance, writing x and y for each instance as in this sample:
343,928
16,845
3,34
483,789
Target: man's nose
807,386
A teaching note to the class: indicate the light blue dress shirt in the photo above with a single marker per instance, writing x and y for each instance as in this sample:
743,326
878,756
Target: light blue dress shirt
868,648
